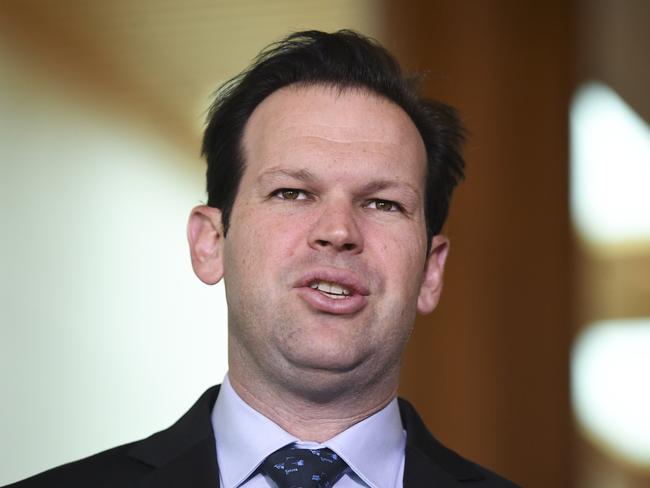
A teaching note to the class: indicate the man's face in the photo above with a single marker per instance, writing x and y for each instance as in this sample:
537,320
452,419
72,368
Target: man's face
325,259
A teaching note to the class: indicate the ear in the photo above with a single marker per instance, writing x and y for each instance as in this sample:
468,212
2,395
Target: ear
431,285
205,236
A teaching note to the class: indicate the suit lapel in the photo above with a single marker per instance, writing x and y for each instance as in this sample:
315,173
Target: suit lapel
183,455
428,462
196,467
420,472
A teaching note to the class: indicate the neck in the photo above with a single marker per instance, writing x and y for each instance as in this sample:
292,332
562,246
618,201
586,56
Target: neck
310,418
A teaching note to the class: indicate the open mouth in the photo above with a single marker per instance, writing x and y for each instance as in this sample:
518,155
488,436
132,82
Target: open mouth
331,289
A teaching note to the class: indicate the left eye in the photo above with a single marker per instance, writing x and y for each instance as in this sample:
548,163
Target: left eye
383,205
290,194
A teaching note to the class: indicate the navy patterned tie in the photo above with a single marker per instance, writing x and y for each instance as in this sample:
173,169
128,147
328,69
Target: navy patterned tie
292,467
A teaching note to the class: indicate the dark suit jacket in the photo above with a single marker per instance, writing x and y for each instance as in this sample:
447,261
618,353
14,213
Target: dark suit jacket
184,456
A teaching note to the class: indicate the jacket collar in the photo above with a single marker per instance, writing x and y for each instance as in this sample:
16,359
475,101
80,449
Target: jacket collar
185,455
428,462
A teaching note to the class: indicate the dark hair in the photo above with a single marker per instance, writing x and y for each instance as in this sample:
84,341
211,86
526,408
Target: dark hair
344,59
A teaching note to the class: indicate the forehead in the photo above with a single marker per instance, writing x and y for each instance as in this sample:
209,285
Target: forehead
311,125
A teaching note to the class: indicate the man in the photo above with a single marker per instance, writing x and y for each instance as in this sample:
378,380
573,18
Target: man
329,181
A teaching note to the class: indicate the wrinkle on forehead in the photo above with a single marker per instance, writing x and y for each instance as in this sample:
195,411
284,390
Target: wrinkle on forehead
316,145
341,130
329,133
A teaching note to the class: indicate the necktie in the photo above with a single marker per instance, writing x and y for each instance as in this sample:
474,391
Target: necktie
292,467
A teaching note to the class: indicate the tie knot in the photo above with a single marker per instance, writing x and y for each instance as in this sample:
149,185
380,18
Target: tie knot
292,467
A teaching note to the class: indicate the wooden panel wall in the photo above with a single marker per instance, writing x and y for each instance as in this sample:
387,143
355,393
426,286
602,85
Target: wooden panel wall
489,369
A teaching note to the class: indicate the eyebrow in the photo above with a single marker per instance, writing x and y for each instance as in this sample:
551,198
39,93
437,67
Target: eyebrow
379,185
307,176
298,174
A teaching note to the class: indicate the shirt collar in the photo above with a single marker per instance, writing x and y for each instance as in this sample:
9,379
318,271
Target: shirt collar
244,437
373,448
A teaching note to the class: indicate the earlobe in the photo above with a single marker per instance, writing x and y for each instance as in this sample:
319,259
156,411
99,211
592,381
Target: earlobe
432,279
205,237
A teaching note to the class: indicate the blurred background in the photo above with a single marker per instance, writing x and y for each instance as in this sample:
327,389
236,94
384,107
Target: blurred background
537,362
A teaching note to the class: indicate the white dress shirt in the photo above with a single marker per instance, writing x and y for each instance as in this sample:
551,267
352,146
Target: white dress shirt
372,448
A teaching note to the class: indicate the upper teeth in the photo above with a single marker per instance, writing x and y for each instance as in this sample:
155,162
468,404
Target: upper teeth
329,287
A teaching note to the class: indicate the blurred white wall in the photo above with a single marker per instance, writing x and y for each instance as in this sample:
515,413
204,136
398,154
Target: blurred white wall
106,336
105,333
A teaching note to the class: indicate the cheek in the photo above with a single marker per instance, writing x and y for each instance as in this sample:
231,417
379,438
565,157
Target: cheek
405,244
266,237
402,256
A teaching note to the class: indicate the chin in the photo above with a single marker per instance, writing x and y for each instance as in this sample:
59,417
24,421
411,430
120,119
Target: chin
323,376
325,356
324,366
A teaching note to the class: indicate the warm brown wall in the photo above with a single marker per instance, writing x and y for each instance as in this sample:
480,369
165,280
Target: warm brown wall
612,46
489,369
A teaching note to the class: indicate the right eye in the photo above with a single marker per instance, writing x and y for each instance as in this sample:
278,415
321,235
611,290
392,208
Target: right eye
290,194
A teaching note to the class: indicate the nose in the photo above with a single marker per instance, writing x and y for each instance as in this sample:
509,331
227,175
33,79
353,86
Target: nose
336,229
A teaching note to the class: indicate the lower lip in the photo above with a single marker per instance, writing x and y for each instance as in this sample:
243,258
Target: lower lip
337,306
